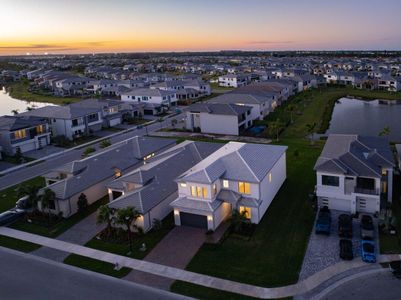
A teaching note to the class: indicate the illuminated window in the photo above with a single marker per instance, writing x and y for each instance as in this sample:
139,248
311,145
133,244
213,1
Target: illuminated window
193,191
183,185
225,183
198,191
246,211
270,177
204,192
244,187
117,173
40,129
20,134
214,189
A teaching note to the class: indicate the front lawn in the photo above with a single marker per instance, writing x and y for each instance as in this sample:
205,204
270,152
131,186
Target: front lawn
96,265
9,196
274,254
61,226
150,239
18,245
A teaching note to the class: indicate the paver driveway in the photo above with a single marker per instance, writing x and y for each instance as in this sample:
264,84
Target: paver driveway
175,250
323,251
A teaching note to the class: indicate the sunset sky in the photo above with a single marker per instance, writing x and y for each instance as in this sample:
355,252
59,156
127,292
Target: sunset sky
86,26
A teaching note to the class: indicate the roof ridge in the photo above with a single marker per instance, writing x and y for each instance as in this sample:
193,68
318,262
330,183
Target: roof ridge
357,158
249,168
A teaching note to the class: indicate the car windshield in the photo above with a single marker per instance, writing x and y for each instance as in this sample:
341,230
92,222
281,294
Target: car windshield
368,248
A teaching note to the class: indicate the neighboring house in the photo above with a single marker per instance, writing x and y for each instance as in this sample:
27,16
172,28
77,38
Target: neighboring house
355,173
331,77
218,118
151,188
91,175
156,101
238,176
24,132
392,84
71,121
234,80
73,85
261,105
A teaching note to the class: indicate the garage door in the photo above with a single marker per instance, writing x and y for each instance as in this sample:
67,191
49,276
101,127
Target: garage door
193,220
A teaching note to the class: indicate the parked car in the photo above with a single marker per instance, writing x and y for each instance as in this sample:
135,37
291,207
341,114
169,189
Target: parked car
368,250
367,228
346,251
323,223
345,226
395,267
11,216
139,127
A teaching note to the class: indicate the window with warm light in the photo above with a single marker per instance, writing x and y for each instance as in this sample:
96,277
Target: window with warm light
198,191
225,183
20,134
244,187
246,211
214,189
270,177
204,191
183,184
193,191
40,129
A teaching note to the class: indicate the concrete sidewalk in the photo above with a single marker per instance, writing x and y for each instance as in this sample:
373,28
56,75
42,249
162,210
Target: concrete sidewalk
195,278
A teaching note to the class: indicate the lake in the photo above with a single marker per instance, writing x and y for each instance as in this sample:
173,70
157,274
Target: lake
352,116
8,104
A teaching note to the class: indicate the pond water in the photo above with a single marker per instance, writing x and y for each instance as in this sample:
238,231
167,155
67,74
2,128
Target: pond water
8,104
352,116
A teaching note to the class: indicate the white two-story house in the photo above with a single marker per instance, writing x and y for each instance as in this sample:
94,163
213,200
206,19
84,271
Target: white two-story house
234,80
238,176
355,173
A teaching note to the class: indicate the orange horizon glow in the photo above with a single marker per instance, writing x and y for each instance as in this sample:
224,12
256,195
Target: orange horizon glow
83,26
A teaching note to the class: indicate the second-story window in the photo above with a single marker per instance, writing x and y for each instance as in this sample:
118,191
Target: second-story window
214,189
198,191
244,187
225,183
19,134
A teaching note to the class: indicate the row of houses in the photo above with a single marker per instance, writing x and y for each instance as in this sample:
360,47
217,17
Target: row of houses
33,129
202,183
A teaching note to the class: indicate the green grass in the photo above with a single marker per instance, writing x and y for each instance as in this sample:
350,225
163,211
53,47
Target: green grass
390,244
15,160
274,254
151,239
220,89
95,265
60,227
20,90
18,245
9,196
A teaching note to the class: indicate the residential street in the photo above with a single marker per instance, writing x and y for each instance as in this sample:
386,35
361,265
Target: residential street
25,276
24,174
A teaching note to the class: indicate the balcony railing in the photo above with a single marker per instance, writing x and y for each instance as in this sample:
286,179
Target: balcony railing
359,190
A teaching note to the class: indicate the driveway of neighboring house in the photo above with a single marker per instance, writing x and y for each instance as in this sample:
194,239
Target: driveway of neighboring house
45,151
324,251
79,234
175,250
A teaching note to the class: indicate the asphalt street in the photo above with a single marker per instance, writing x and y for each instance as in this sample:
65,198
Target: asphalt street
24,276
24,174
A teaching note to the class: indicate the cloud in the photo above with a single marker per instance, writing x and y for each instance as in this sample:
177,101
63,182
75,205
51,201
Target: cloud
55,47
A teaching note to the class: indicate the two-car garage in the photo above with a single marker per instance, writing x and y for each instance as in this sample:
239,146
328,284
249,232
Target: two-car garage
193,220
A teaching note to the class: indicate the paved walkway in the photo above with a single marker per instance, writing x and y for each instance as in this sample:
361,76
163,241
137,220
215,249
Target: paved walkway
195,278
78,234
176,250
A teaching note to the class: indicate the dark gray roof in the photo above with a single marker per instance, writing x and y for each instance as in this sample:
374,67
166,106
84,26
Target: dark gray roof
355,155
187,203
94,169
156,178
243,98
220,108
62,112
11,123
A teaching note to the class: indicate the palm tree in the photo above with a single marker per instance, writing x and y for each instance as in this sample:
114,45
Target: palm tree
310,129
291,109
236,220
385,131
32,192
275,127
105,215
15,112
47,197
127,216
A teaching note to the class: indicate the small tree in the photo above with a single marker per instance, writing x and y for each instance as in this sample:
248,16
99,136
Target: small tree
105,215
18,154
88,151
105,143
32,192
275,128
15,112
46,199
385,131
310,129
127,216
291,108
237,219
82,202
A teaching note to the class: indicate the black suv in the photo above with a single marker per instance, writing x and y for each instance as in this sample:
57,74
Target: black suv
345,226
346,251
